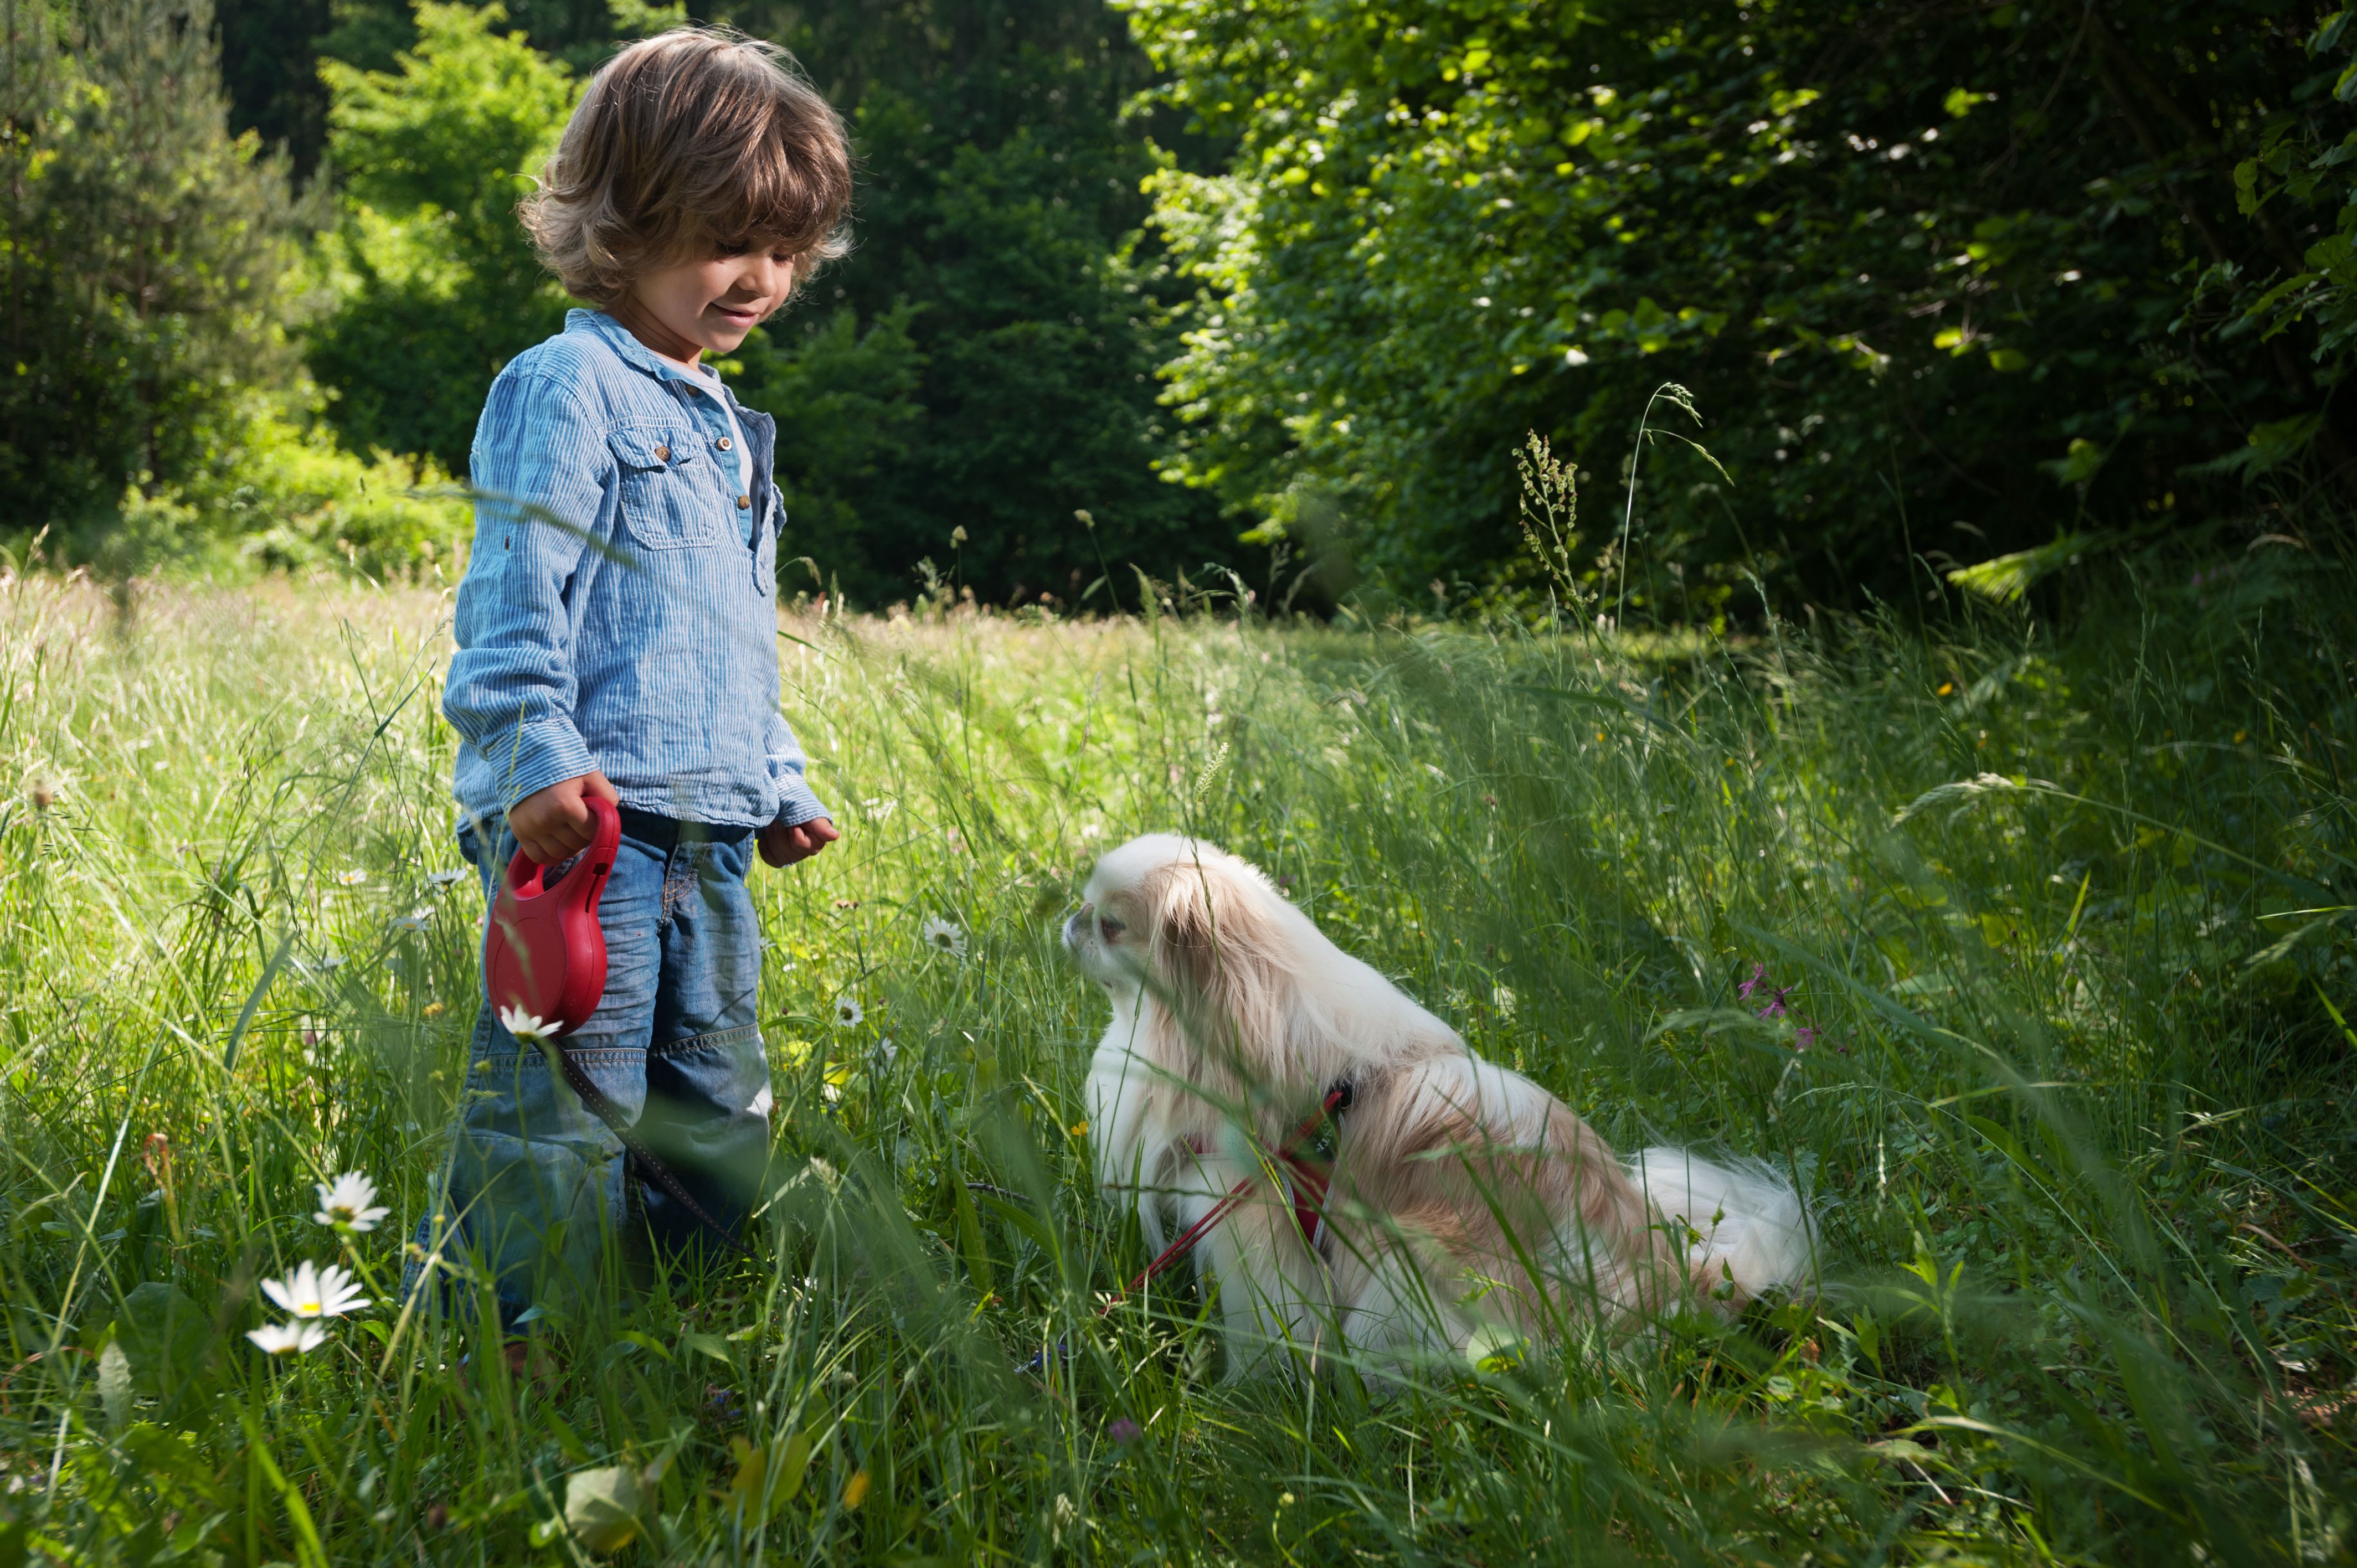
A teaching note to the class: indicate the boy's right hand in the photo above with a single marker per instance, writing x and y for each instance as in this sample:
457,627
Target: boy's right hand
552,824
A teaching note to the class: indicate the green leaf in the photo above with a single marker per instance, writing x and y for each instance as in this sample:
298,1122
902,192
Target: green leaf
2270,446
2078,464
602,1506
778,1473
2006,578
165,1336
114,1385
711,1345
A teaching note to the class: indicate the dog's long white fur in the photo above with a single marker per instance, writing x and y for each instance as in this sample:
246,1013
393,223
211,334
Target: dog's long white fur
1232,1013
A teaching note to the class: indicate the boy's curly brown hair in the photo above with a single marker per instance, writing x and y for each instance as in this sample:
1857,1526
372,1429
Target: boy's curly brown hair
696,141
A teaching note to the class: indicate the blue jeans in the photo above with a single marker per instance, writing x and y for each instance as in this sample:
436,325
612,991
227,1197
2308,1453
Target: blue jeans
536,1183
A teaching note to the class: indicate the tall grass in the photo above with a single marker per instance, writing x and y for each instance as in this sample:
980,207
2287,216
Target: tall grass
2057,1058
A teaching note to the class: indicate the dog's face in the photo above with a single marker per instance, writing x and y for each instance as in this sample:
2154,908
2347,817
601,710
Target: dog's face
1192,926
1111,935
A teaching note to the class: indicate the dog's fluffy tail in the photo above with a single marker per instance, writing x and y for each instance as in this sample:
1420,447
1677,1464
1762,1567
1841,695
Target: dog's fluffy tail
1754,1229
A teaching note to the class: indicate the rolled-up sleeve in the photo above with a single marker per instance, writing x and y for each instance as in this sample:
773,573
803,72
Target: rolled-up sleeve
797,802
541,473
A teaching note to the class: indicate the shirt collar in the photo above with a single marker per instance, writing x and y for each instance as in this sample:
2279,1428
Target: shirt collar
625,343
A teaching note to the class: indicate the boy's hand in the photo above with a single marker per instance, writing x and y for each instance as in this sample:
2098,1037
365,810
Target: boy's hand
551,824
782,845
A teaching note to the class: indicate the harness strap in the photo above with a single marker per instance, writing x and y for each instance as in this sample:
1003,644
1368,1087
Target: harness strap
1307,1180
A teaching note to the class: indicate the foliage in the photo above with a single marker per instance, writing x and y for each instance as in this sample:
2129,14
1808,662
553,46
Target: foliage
304,500
148,263
1000,198
1903,250
2293,184
986,357
436,284
2075,1107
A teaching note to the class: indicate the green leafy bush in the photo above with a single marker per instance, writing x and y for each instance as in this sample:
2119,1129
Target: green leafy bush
1903,252
435,284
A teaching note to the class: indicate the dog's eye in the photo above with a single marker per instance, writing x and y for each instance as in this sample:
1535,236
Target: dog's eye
1112,927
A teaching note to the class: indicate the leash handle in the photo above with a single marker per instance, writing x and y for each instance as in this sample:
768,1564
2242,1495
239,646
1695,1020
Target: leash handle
606,1110
1337,1099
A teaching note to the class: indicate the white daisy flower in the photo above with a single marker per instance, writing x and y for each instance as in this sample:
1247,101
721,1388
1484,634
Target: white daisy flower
444,878
944,936
351,878
329,963
295,1339
350,1201
529,1028
314,1292
416,920
885,1051
848,1012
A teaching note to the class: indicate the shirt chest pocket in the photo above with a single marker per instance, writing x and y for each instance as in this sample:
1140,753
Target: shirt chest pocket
669,492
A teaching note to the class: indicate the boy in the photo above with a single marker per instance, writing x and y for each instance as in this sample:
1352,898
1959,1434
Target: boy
616,636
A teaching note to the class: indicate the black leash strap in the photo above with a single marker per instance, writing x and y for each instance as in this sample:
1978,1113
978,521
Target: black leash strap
644,1157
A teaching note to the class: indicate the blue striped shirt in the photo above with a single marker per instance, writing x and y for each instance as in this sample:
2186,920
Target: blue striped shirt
619,609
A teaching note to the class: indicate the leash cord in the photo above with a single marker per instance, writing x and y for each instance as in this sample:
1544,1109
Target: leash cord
644,1157
1336,1098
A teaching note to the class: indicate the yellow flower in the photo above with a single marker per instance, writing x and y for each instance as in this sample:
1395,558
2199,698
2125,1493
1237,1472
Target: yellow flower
854,1491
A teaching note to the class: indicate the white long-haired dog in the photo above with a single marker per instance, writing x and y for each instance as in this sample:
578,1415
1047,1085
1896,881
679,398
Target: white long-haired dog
1465,1199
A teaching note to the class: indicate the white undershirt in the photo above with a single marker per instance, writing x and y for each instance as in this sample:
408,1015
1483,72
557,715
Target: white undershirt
711,379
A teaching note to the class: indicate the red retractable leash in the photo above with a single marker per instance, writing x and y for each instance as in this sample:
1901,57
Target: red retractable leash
545,955
1309,1182
545,952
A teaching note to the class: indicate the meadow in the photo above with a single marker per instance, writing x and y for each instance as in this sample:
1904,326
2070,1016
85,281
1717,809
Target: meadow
2028,954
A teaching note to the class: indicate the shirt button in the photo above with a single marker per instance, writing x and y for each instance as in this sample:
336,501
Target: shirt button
662,454
743,503
723,443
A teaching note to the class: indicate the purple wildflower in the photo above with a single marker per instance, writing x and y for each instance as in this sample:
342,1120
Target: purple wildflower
1804,1036
1759,978
1124,1431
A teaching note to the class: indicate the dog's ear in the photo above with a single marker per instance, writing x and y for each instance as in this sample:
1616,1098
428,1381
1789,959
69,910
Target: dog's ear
1216,946
1182,943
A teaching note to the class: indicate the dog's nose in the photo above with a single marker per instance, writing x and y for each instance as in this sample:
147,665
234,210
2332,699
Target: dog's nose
1077,925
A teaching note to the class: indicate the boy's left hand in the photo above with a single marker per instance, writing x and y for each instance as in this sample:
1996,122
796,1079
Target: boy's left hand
782,845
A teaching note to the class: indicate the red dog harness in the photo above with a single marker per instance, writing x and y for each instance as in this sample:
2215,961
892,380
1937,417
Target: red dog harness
1307,1175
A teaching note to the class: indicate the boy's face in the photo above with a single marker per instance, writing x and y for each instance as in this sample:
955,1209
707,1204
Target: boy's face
714,303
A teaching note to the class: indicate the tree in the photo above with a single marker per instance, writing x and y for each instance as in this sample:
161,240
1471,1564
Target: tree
437,286
1927,267
996,233
996,326
148,261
